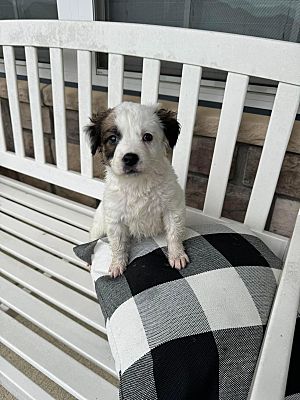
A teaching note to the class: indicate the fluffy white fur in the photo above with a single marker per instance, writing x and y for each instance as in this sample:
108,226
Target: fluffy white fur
147,202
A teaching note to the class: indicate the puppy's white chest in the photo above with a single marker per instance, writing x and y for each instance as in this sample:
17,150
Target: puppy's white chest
143,215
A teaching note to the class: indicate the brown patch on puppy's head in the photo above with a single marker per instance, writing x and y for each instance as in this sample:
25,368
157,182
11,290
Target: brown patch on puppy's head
100,133
170,125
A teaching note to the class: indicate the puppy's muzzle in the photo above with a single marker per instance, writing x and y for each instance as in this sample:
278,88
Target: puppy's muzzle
130,161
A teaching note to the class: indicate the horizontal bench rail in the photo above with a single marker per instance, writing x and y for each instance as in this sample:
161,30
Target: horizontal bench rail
218,50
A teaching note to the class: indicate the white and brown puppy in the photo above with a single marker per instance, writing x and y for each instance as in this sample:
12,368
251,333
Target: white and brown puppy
142,197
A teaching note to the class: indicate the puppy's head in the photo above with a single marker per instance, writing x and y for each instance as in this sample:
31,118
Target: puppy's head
132,137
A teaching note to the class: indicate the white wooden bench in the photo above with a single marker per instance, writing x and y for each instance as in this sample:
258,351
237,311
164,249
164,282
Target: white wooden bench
41,279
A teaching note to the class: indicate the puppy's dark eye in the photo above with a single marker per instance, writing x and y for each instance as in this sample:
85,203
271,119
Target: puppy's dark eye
112,139
147,137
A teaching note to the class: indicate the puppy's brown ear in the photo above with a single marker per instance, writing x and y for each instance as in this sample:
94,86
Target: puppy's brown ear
170,125
94,130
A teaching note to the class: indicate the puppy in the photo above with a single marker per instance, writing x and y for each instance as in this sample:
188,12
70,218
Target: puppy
142,197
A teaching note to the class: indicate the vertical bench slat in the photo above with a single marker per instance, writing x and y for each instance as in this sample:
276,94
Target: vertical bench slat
13,98
84,60
278,134
58,95
230,119
2,137
187,108
150,81
115,79
35,103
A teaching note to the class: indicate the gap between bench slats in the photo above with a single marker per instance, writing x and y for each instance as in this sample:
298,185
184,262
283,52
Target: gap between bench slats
58,366
230,119
187,108
45,222
59,108
84,61
278,134
74,335
19,385
2,137
35,103
41,239
46,204
13,99
115,79
60,269
150,81
67,299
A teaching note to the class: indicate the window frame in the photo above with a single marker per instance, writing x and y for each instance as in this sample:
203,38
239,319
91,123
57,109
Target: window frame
259,97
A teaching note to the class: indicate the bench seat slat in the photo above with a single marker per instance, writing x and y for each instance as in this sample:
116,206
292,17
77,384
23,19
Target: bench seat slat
49,263
19,385
65,204
48,207
51,225
54,363
50,173
58,325
41,239
67,299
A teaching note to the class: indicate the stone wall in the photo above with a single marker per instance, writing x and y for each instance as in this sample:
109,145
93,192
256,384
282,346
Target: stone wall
251,136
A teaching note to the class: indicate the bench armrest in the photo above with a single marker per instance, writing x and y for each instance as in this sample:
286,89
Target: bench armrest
270,377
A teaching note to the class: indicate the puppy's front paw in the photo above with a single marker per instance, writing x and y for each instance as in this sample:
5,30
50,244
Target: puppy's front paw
179,261
116,270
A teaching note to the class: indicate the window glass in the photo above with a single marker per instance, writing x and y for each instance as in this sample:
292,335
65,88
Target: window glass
29,9
276,19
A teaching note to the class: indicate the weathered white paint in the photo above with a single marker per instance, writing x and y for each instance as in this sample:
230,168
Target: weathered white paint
277,138
230,119
78,380
13,98
18,384
228,52
187,108
35,103
150,81
272,369
115,79
40,228
59,108
2,137
84,60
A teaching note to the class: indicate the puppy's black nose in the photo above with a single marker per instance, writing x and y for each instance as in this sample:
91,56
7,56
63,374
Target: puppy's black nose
130,159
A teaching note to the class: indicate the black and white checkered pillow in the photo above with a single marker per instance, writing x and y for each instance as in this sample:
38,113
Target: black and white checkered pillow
189,334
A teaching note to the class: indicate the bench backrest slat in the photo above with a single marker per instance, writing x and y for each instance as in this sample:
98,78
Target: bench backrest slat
115,79
84,63
278,134
2,136
35,103
59,109
150,81
187,108
240,56
13,98
230,119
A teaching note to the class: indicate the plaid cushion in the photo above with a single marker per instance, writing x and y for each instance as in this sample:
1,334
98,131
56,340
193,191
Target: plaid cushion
195,332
